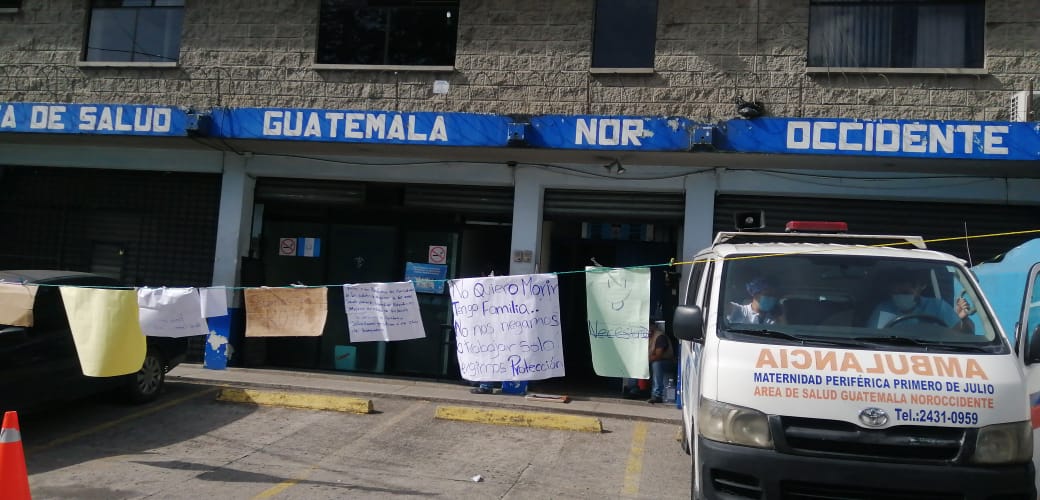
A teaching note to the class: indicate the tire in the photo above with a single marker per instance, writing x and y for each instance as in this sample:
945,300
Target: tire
146,384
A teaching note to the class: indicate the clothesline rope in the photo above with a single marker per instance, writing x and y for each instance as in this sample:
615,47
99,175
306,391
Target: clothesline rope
671,263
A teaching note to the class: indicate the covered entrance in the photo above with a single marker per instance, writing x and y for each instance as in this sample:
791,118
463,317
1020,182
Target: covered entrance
369,232
612,229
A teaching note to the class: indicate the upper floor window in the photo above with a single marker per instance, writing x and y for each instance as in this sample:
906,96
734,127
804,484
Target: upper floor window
10,5
896,33
388,32
625,34
135,30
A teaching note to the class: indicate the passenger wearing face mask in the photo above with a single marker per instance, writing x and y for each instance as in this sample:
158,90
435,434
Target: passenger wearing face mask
905,298
764,308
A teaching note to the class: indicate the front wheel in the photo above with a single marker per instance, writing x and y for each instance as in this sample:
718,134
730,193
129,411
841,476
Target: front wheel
147,383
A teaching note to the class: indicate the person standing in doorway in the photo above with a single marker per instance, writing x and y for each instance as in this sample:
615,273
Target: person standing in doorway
662,361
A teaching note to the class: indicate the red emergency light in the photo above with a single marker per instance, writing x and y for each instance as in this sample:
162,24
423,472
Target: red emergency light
816,226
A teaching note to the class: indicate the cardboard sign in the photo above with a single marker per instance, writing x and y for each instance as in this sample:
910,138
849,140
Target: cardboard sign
16,304
286,312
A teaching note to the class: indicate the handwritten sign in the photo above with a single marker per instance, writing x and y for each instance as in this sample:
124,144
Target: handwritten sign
171,312
16,304
508,327
105,329
382,311
285,312
618,320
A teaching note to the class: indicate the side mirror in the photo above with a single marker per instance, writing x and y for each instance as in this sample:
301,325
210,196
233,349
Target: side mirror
688,323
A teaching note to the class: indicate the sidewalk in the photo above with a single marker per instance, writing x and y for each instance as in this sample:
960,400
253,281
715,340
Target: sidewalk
397,387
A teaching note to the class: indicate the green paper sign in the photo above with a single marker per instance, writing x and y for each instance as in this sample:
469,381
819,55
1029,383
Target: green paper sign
619,321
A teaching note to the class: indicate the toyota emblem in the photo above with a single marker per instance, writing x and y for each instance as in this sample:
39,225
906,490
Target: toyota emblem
873,417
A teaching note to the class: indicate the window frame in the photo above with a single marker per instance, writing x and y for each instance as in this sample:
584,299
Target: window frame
316,65
943,70
91,7
614,69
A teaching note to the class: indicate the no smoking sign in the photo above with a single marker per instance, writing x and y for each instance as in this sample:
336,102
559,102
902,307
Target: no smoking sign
438,254
287,246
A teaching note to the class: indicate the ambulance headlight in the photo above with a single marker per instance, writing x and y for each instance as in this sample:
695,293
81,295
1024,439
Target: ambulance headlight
732,424
1004,444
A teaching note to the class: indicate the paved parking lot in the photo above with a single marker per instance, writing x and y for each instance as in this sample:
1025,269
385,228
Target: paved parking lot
189,445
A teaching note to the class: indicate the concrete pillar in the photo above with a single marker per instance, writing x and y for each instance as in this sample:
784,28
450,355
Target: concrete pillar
234,221
528,191
699,216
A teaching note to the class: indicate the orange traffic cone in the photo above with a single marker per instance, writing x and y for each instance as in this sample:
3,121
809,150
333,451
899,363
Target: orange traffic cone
14,478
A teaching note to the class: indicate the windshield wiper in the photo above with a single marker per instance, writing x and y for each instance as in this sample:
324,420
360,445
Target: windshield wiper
766,332
927,344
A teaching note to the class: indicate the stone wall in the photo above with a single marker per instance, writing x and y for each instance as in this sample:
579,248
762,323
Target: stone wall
529,57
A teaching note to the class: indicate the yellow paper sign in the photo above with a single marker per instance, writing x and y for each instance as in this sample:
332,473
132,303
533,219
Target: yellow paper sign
106,330
286,312
16,304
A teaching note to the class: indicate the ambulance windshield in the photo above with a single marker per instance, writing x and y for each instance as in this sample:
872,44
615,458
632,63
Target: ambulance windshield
876,303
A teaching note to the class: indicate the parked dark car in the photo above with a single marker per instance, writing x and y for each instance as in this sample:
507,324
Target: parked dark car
39,365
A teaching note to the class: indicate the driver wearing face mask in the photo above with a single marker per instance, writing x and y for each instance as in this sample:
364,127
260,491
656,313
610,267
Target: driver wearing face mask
764,308
906,305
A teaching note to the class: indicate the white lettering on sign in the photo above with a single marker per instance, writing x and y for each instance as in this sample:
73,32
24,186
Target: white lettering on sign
46,117
609,131
335,124
7,117
919,138
106,118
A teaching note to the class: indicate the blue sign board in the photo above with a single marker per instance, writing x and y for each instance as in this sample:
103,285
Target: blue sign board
611,133
215,356
106,119
386,127
427,278
891,138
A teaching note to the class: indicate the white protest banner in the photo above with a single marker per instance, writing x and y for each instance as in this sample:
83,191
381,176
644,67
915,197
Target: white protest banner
214,301
619,321
508,327
382,311
170,312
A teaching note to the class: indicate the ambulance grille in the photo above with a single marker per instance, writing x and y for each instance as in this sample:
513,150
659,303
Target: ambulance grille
832,438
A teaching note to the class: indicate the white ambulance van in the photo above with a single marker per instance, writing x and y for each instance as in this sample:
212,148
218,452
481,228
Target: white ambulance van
824,365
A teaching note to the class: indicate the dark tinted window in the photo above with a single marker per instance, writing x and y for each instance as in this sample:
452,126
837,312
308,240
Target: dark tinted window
135,30
897,34
385,32
10,4
625,34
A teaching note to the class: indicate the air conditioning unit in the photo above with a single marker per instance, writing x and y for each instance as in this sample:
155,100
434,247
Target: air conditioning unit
1025,106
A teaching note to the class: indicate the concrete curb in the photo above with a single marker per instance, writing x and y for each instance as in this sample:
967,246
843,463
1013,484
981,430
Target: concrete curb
311,401
538,420
487,401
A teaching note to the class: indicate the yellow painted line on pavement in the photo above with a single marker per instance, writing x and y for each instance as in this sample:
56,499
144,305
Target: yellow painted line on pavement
282,486
113,423
296,400
520,418
378,430
634,468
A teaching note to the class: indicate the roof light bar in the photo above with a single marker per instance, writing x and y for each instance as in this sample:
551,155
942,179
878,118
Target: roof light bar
816,226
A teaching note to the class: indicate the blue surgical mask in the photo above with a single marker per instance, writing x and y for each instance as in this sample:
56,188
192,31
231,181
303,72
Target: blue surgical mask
904,301
766,303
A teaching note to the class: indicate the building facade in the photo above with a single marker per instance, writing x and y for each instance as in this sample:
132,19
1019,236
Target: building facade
182,143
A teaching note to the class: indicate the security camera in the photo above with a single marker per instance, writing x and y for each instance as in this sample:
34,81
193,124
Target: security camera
748,109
